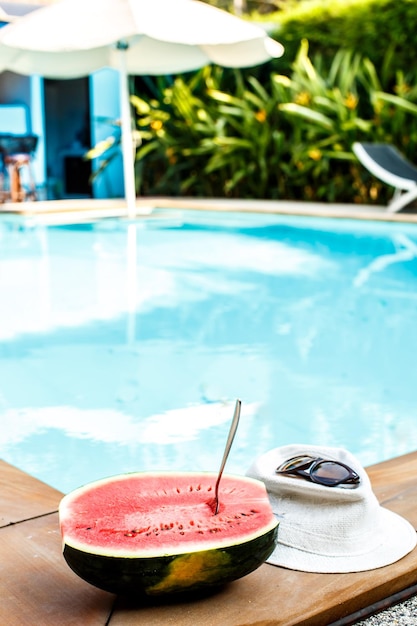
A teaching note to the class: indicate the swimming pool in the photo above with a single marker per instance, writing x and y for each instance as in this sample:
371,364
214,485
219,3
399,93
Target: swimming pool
124,344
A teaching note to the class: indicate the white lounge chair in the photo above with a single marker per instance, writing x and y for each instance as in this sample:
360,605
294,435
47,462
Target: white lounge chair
389,165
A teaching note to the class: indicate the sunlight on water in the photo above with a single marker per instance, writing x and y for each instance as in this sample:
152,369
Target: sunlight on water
123,345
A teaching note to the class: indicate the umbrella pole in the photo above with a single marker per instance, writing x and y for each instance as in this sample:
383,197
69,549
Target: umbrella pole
126,127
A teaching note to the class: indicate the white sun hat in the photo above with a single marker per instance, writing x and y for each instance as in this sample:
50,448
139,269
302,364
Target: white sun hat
330,529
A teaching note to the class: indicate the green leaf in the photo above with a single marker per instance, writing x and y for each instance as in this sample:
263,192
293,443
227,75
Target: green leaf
144,151
397,101
307,114
100,148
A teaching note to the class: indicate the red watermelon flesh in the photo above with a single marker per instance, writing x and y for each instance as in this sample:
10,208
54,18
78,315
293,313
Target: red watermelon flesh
157,533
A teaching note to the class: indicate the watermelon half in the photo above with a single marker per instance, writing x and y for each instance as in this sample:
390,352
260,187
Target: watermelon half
152,534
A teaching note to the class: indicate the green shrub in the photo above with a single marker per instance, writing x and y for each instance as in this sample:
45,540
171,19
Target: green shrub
223,133
201,138
369,26
331,108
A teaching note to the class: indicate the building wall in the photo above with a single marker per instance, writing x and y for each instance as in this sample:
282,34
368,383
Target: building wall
67,116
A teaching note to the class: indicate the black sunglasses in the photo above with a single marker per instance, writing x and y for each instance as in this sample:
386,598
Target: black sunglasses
321,471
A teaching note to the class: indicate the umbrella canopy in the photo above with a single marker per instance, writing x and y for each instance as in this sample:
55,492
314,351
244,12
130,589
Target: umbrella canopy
73,38
5,17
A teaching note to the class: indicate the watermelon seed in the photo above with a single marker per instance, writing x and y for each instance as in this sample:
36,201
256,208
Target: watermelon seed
199,488
182,532
89,528
191,487
191,523
178,490
128,534
137,531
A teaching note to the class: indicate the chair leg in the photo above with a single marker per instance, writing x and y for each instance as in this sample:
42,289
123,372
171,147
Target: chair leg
15,164
32,189
15,185
2,192
401,200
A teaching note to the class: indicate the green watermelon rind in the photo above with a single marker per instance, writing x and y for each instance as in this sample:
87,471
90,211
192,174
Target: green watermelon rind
142,577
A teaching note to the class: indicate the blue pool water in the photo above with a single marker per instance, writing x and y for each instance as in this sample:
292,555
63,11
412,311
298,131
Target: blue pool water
123,345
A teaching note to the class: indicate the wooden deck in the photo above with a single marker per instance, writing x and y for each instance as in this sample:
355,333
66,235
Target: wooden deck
37,587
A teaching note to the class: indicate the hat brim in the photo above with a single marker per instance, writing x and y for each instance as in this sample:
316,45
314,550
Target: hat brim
397,538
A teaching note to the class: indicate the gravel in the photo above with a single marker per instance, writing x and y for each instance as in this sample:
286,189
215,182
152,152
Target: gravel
403,614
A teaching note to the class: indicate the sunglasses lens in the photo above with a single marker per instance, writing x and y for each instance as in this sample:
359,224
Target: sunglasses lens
329,473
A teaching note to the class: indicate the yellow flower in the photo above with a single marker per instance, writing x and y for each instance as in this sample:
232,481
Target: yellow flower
303,98
351,101
156,125
261,115
202,115
315,154
373,192
171,156
402,89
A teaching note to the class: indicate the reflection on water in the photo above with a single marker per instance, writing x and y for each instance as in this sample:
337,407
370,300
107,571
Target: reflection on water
123,345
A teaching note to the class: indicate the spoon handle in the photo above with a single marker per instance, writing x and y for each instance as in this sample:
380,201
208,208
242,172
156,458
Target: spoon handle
229,442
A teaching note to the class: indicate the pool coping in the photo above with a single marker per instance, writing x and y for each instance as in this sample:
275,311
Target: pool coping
37,587
77,210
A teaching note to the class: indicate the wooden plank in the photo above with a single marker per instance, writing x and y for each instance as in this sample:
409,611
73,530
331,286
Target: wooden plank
23,497
395,485
36,584
274,596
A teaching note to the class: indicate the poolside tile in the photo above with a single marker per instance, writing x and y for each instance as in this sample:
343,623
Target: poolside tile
76,210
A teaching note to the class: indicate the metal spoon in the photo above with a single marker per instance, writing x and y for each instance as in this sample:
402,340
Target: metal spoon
229,442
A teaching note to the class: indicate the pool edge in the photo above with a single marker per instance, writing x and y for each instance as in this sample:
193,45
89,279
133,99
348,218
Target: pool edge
101,208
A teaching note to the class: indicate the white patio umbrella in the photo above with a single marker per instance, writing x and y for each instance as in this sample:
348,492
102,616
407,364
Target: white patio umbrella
5,17
74,38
